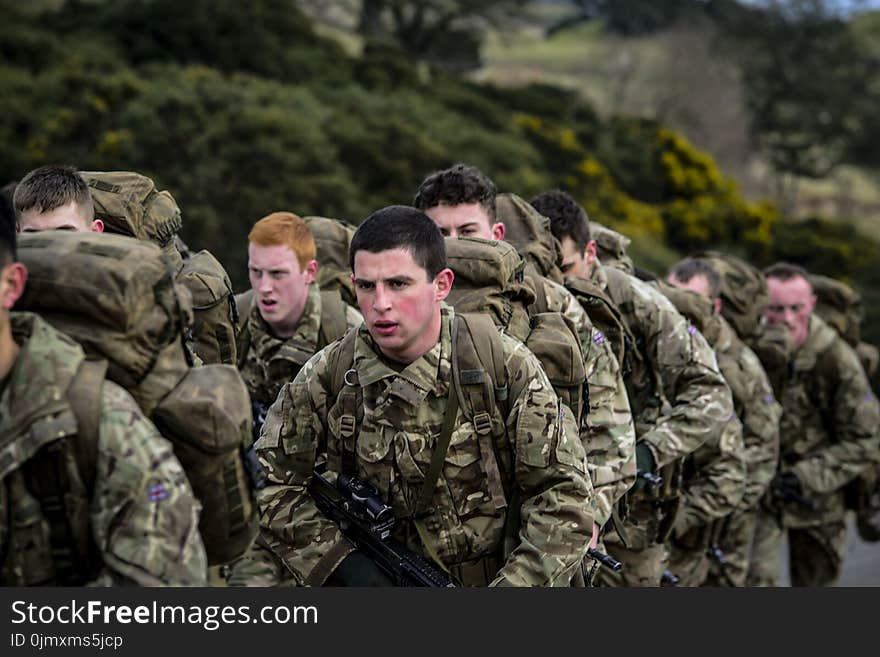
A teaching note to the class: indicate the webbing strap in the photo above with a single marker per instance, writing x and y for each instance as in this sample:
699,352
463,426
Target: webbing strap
439,454
84,395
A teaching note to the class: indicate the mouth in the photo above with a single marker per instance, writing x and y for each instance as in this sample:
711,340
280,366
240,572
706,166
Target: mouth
384,328
268,304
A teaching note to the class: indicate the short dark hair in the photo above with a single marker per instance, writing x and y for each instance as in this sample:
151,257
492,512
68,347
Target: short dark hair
402,227
690,267
785,271
8,253
460,184
50,187
567,217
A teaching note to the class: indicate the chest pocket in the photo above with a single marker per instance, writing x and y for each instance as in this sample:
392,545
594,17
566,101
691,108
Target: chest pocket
801,425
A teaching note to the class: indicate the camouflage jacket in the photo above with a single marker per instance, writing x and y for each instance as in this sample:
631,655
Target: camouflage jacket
756,407
141,513
677,394
268,362
608,432
829,429
403,414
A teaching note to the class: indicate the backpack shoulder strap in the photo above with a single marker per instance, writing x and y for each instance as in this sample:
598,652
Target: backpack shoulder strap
85,396
480,380
244,303
346,388
333,325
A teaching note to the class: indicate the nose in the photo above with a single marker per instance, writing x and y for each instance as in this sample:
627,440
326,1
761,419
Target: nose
381,299
264,284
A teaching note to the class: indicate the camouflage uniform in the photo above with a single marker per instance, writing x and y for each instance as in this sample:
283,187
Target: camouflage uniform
679,400
608,433
403,412
828,436
142,515
759,414
268,362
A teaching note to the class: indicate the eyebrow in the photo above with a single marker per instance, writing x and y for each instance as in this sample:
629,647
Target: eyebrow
402,278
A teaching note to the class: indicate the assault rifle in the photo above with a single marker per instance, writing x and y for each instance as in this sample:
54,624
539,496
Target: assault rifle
650,478
669,578
716,554
606,560
368,522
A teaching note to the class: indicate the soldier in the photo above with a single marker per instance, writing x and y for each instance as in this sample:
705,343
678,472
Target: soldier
55,197
678,397
284,319
759,415
461,201
395,373
828,437
122,512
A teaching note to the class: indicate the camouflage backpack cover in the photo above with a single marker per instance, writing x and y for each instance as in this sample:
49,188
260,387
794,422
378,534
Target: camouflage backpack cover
841,307
529,231
489,280
129,204
332,241
118,298
744,299
611,247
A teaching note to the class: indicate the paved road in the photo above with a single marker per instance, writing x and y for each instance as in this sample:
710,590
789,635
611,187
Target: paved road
861,567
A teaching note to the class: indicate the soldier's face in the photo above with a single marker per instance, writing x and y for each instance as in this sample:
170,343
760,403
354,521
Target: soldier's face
399,302
791,303
697,283
71,217
466,220
575,262
280,286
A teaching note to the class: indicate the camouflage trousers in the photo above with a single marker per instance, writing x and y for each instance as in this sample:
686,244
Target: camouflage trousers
641,568
259,567
815,553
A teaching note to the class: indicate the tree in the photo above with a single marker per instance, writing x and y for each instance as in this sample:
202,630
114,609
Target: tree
444,33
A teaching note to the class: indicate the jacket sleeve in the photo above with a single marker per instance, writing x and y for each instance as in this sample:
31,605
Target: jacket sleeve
698,401
309,544
552,485
760,413
715,487
145,518
608,435
856,427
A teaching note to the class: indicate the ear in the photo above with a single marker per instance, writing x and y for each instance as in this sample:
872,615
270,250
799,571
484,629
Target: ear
498,231
812,302
718,304
590,252
97,226
311,271
12,281
443,284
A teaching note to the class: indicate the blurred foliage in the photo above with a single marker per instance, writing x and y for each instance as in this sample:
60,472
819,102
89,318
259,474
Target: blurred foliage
241,109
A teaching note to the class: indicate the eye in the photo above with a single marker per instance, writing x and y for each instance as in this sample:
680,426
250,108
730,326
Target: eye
567,267
397,285
364,285
469,231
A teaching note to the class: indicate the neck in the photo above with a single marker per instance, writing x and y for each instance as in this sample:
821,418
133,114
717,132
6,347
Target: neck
9,350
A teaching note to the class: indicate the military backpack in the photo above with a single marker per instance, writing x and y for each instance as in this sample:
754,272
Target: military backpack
129,204
119,299
332,241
